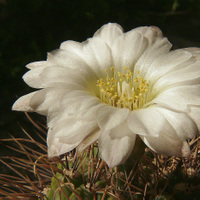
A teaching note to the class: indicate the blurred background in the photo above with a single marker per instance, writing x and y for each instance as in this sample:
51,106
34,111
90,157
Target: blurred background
31,28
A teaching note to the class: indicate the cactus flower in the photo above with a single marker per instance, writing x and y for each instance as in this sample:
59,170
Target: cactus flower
113,87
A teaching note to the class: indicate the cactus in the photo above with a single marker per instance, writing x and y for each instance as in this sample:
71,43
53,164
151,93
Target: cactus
85,176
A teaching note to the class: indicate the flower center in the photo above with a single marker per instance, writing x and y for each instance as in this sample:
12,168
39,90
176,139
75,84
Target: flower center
123,89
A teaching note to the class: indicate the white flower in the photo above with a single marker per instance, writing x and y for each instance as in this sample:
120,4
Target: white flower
113,87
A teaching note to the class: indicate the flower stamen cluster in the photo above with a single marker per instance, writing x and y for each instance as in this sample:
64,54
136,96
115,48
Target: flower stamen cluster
123,89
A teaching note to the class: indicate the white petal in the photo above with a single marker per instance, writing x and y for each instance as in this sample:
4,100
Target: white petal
94,52
115,151
109,33
166,62
127,49
89,111
37,64
109,117
150,32
182,123
68,126
55,148
146,122
120,131
98,56
158,46
194,50
185,73
66,133
195,115
168,142
79,102
189,74
23,103
68,58
47,100
75,104
48,77
179,98
72,130
167,145
90,139
31,77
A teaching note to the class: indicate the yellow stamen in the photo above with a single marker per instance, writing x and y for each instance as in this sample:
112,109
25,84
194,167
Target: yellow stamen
123,90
